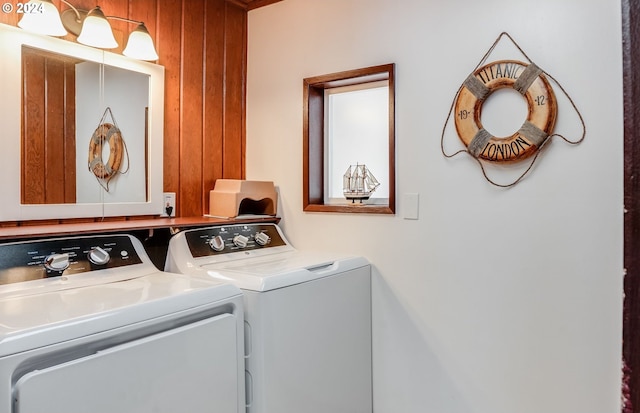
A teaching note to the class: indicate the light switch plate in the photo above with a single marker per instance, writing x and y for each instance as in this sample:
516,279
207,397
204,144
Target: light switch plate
411,203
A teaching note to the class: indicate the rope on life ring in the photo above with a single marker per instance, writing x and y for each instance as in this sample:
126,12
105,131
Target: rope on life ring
106,132
537,130
530,82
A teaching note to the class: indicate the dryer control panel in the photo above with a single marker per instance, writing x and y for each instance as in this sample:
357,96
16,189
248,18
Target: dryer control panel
232,238
33,260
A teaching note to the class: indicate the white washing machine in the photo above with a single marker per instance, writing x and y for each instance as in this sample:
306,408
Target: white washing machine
89,325
307,316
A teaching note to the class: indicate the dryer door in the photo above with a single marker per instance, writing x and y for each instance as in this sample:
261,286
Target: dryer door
186,369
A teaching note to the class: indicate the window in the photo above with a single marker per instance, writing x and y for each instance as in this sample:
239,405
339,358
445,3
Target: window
349,142
356,136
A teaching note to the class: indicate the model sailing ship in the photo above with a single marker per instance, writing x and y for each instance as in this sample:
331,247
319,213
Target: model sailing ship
358,183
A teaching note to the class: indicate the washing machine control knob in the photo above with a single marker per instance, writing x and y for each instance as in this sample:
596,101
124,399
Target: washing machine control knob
216,243
98,256
57,263
240,241
262,239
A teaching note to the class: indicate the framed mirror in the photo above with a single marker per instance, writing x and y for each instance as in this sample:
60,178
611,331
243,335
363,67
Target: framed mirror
55,94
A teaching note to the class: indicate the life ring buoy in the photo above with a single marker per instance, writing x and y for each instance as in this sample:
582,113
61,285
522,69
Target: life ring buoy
106,132
528,80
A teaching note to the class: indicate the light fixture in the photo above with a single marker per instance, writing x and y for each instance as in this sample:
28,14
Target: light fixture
45,18
92,28
96,31
140,45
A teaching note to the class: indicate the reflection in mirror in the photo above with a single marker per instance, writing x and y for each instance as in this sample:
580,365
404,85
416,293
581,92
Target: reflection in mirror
64,101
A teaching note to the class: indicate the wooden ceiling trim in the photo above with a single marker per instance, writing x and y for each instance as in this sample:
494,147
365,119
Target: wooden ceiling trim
252,4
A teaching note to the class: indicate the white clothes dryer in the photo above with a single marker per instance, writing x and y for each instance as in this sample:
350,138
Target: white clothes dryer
89,325
307,316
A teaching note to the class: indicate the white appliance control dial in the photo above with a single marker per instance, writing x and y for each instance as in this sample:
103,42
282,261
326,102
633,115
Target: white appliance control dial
240,241
98,256
262,238
57,262
216,243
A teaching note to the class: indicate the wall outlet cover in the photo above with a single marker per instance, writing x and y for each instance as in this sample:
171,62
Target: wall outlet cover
169,204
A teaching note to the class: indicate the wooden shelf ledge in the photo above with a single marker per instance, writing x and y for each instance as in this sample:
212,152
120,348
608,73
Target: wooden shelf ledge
79,228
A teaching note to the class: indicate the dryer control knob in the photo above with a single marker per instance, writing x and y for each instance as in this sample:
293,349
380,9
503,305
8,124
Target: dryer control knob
57,262
98,256
262,239
240,241
216,243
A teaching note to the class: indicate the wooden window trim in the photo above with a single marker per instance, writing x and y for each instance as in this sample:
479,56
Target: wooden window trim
313,136
631,312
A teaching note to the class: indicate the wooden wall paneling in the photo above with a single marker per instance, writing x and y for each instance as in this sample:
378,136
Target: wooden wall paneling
11,19
144,11
54,132
169,47
33,129
234,97
48,133
121,29
214,89
191,133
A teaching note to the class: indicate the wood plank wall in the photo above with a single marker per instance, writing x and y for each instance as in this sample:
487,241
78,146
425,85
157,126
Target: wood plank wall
48,129
202,45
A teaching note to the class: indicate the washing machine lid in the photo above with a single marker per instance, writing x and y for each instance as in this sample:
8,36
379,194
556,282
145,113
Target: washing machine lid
37,320
281,270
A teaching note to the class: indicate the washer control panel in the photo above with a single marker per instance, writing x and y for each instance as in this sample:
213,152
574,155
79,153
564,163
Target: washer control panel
33,260
232,238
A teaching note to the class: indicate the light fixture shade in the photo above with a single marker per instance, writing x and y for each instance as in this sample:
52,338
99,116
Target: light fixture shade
140,45
45,18
96,31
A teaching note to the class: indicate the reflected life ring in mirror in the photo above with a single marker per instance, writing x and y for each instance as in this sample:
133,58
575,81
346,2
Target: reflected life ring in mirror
109,133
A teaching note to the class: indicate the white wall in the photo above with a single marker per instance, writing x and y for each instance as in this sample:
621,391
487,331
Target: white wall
494,301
